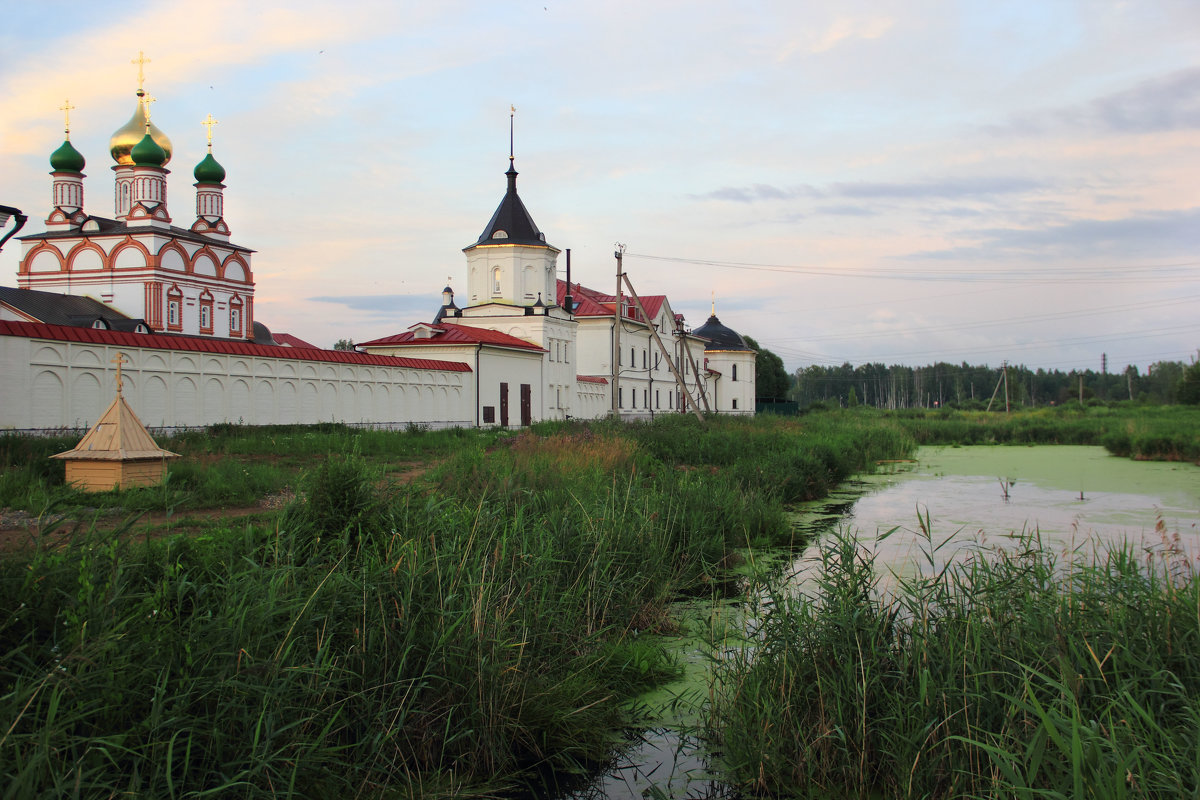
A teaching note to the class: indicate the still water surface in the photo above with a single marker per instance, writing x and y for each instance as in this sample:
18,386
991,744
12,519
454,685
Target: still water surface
1071,496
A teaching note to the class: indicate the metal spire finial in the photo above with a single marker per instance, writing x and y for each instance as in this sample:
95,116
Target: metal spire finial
141,61
66,108
511,117
208,123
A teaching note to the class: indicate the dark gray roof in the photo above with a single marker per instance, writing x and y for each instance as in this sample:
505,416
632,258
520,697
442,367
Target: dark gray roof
719,336
112,227
513,219
65,309
262,334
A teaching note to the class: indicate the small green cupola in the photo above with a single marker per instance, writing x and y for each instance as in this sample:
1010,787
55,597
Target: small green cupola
148,153
209,171
66,158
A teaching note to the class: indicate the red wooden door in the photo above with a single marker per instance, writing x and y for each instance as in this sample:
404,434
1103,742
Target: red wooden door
526,405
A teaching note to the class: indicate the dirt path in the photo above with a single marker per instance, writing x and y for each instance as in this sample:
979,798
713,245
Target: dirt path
20,529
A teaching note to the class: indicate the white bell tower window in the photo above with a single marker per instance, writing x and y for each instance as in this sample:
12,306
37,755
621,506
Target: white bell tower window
496,281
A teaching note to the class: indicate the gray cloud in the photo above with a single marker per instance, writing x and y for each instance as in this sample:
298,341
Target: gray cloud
1156,234
1166,103
942,189
383,305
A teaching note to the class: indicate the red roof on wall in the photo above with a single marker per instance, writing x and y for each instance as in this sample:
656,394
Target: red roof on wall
449,334
194,344
288,340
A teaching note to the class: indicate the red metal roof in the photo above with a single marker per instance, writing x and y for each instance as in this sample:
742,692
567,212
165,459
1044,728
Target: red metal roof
591,379
154,341
288,340
452,334
590,303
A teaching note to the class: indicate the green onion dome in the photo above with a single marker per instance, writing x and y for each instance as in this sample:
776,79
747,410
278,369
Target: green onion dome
209,171
148,153
67,158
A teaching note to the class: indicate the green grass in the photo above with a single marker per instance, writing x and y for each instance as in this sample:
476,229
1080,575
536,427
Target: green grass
1012,674
461,636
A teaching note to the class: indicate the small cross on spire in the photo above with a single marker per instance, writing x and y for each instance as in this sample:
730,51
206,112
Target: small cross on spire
511,117
208,123
119,360
67,108
141,61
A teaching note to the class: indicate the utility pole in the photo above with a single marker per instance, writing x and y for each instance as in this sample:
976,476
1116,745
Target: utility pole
617,322
654,333
1006,387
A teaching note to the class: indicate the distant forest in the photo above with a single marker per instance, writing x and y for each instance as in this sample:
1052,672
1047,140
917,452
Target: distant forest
967,386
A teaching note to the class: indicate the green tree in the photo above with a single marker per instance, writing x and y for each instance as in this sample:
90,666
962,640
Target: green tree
771,380
1188,390
343,344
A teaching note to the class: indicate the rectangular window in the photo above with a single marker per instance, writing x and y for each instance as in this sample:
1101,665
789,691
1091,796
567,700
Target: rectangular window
620,397
235,320
205,316
657,400
645,398
173,312
735,404
489,414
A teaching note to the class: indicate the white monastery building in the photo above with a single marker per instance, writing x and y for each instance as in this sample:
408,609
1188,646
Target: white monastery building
178,302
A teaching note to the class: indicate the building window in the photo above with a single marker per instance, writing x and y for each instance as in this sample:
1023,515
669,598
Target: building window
645,398
496,281
735,404
643,358
206,312
735,373
620,397
489,414
235,316
657,400
174,309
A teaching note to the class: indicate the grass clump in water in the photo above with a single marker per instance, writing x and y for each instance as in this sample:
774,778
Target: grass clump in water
1015,674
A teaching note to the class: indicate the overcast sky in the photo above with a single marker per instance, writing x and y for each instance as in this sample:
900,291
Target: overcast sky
898,182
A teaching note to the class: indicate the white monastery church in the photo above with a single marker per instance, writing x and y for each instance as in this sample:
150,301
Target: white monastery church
178,302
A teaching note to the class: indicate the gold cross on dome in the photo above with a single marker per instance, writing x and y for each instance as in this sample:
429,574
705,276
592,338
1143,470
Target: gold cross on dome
141,61
208,123
146,101
119,360
67,108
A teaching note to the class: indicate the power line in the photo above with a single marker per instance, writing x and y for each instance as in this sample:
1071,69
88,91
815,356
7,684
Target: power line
1129,273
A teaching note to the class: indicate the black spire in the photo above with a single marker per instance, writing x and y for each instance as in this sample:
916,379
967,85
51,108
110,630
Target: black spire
511,224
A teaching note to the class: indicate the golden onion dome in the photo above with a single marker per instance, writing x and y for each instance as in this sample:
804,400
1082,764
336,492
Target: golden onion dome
129,134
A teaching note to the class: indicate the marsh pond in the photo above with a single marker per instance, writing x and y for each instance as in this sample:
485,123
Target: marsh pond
957,498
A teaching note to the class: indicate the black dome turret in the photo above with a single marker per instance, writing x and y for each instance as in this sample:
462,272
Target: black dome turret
719,336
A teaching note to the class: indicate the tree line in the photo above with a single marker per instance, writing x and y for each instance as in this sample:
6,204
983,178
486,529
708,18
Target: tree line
969,386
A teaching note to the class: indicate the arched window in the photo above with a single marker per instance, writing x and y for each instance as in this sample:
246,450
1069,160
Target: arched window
235,316
174,309
206,312
735,372
496,281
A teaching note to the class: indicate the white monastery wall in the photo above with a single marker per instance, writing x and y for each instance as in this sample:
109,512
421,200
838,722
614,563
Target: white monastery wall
56,384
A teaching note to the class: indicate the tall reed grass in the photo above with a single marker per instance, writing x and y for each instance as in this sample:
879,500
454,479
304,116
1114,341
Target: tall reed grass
1016,673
